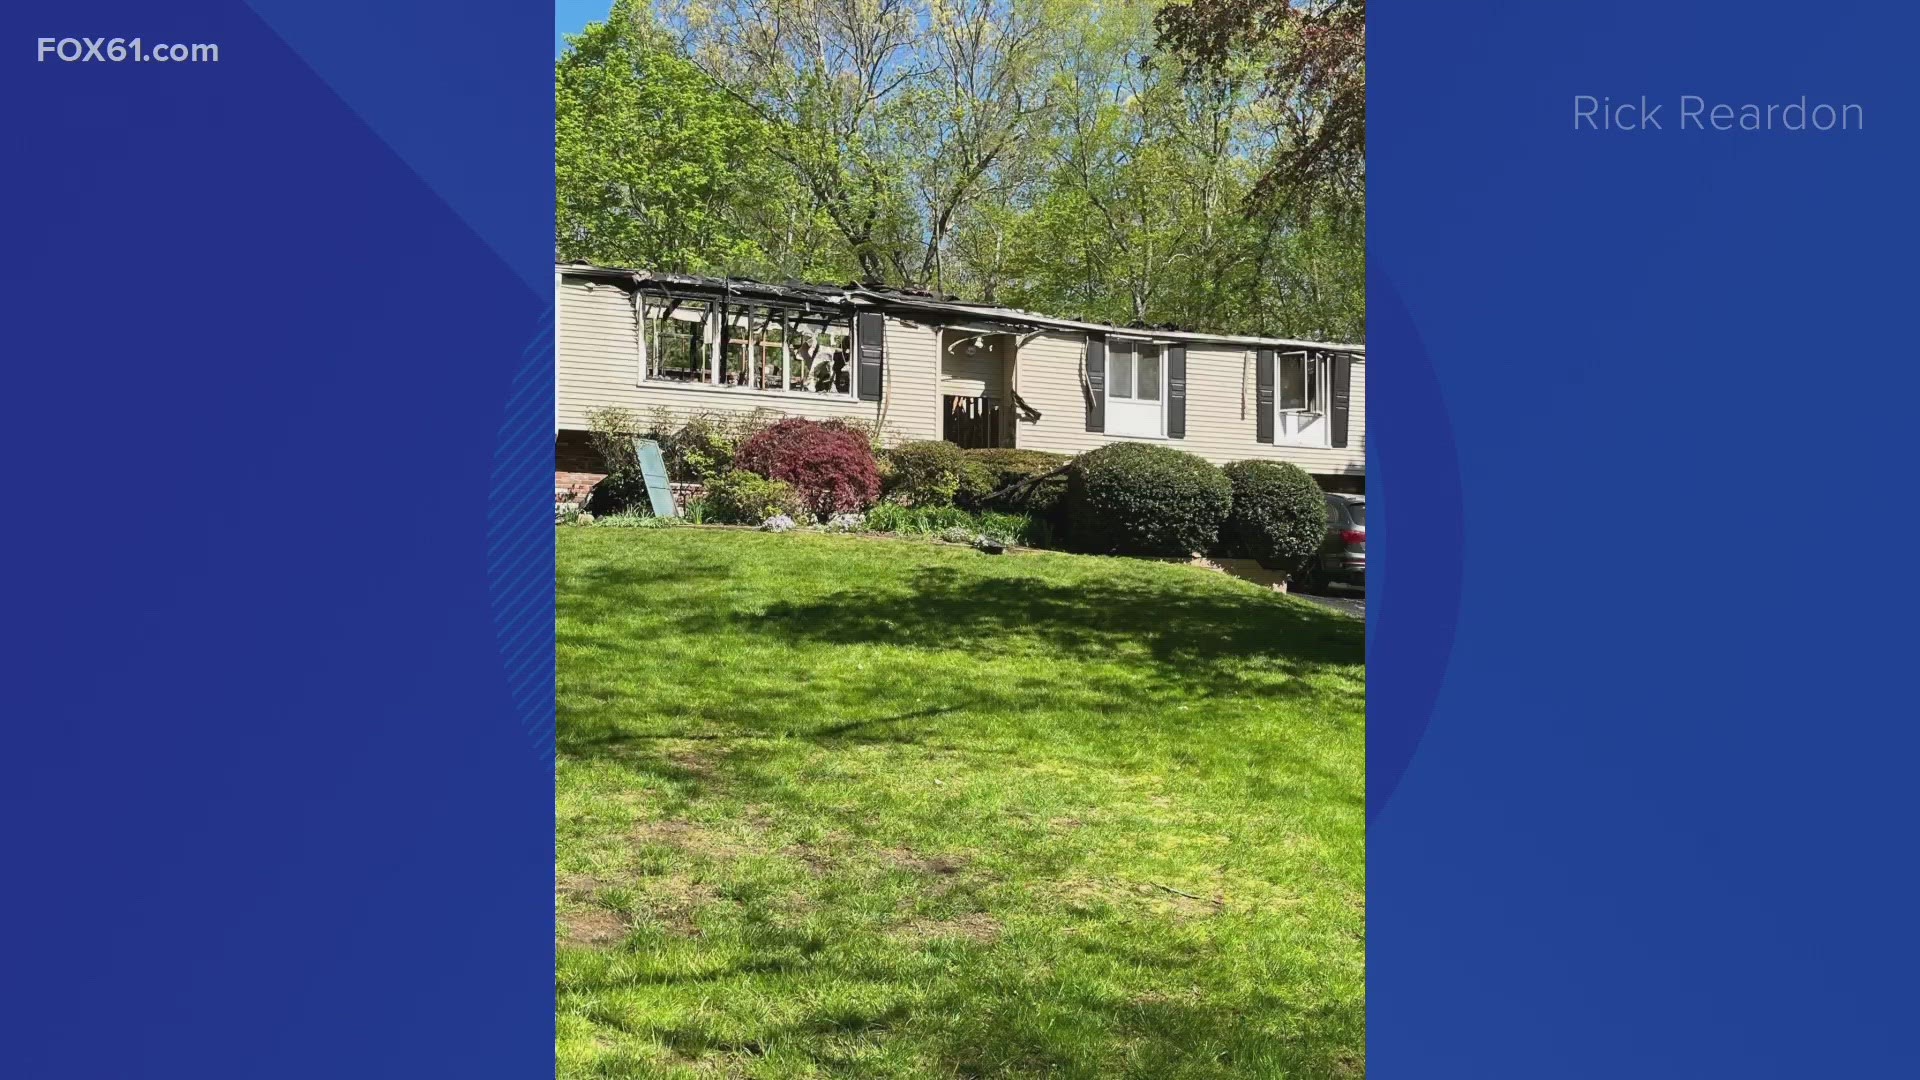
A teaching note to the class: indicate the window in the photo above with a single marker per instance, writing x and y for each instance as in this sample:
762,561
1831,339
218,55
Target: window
1303,382
1119,373
675,336
752,347
1134,372
1146,372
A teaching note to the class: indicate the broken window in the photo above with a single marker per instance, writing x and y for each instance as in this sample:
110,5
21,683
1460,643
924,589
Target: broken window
736,341
821,360
676,335
748,346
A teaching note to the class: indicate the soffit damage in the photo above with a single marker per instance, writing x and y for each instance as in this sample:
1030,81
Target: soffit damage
924,306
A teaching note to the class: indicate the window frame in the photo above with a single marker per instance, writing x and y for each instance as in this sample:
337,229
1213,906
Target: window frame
1121,406
1159,373
1134,345
752,320
1316,383
1115,357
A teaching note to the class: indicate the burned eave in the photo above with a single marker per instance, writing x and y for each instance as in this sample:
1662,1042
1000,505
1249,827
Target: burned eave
912,304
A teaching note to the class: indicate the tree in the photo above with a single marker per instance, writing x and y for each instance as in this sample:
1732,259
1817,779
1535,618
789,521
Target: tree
893,114
657,167
1315,60
1056,155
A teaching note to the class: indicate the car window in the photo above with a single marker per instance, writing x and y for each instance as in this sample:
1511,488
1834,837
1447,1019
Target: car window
1358,512
1336,514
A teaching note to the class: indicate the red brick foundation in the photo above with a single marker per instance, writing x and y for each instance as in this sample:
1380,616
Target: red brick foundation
574,486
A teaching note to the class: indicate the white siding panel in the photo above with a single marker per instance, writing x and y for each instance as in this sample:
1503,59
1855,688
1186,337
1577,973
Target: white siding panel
598,366
1220,418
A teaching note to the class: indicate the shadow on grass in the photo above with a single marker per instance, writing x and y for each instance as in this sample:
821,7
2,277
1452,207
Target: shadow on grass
941,608
711,646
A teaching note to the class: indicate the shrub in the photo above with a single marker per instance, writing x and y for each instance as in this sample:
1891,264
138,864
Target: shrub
1279,515
915,520
744,498
924,473
701,446
829,464
992,470
1025,529
613,431
623,492
1142,499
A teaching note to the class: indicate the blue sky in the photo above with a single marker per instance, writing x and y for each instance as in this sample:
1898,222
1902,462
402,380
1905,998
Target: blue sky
570,15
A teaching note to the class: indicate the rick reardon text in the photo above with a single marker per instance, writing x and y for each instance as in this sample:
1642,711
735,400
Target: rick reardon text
1695,113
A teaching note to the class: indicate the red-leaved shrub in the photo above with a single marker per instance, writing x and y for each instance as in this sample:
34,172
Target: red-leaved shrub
828,464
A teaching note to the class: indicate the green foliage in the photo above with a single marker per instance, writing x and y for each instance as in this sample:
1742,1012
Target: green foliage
701,445
745,498
1279,515
1024,529
632,520
1144,499
620,493
923,473
613,431
657,166
990,471
1046,155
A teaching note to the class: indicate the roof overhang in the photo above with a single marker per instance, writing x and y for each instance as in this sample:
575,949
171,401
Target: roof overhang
968,318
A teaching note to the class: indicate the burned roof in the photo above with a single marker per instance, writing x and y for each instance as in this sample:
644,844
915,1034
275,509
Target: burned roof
923,304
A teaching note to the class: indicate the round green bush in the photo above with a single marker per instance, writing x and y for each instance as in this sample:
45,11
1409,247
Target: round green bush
923,473
1142,499
744,498
1279,515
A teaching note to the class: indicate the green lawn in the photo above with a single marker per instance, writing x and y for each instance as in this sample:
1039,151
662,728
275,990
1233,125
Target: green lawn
848,807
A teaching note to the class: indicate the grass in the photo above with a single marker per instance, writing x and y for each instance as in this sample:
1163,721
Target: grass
835,806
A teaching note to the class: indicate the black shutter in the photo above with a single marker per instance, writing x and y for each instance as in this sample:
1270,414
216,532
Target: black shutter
870,338
1096,383
1342,393
1176,391
1263,395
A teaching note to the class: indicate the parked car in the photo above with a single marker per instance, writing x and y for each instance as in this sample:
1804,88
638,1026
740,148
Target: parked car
1342,558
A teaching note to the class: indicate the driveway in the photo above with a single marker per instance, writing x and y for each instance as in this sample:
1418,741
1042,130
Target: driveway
1340,598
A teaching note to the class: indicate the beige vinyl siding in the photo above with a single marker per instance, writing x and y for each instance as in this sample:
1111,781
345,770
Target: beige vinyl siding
1220,408
597,365
970,376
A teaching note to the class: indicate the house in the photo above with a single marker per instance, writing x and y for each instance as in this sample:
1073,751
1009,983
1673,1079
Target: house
919,366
